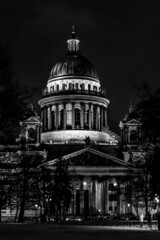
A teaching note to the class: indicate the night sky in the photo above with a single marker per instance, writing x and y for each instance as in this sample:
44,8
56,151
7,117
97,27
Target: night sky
121,39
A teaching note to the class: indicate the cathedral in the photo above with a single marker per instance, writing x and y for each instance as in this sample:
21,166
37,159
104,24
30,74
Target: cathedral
73,126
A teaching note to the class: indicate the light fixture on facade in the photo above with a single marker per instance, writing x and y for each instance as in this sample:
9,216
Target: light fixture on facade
115,184
84,183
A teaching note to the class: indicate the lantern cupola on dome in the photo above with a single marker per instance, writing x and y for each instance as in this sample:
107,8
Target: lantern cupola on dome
73,42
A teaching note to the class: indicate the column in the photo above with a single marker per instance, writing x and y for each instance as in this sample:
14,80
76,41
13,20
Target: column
101,124
82,115
105,117
65,117
42,118
97,118
118,196
107,196
45,119
49,118
93,200
90,117
38,141
57,116
73,116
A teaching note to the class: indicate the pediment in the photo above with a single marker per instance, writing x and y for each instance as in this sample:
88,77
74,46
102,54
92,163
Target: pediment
91,158
33,120
134,122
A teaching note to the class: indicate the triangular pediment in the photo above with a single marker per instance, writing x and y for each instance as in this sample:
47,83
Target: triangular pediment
92,158
33,120
134,122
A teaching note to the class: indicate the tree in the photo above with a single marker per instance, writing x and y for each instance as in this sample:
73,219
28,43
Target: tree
28,184
7,179
148,109
145,178
137,190
13,100
60,189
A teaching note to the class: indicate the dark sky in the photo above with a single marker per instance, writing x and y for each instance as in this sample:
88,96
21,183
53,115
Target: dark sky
121,39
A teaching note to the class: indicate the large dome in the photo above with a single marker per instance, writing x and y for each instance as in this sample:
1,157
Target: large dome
75,64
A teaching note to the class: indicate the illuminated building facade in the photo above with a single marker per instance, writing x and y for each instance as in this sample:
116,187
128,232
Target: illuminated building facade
75,128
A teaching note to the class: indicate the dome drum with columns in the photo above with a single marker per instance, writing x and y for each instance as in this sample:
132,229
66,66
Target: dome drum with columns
74,105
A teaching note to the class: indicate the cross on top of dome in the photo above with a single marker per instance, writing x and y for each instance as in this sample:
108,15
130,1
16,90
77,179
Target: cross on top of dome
73,42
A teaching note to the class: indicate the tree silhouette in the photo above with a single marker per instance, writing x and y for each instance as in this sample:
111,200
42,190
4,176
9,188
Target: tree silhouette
13,100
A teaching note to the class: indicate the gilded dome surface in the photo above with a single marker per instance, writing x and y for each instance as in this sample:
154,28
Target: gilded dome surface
73,63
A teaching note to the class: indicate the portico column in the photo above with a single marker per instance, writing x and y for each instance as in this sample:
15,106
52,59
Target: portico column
73,116
104,196
82,115
49,117
90,117
93,200
65,117
107,196
118,196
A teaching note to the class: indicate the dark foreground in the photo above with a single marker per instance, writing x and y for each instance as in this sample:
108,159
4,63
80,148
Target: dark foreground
68,232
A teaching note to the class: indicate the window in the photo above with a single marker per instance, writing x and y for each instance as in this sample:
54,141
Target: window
77,118
53,120
82,86
94,88
89,87
52,89
133,136
70,86
31,135
61,118
63,86
76,87
57,87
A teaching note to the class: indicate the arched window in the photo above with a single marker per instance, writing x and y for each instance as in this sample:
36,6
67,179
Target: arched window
133,136
77,118
31,135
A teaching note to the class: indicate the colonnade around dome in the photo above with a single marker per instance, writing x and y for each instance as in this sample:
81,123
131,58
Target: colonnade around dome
75,115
